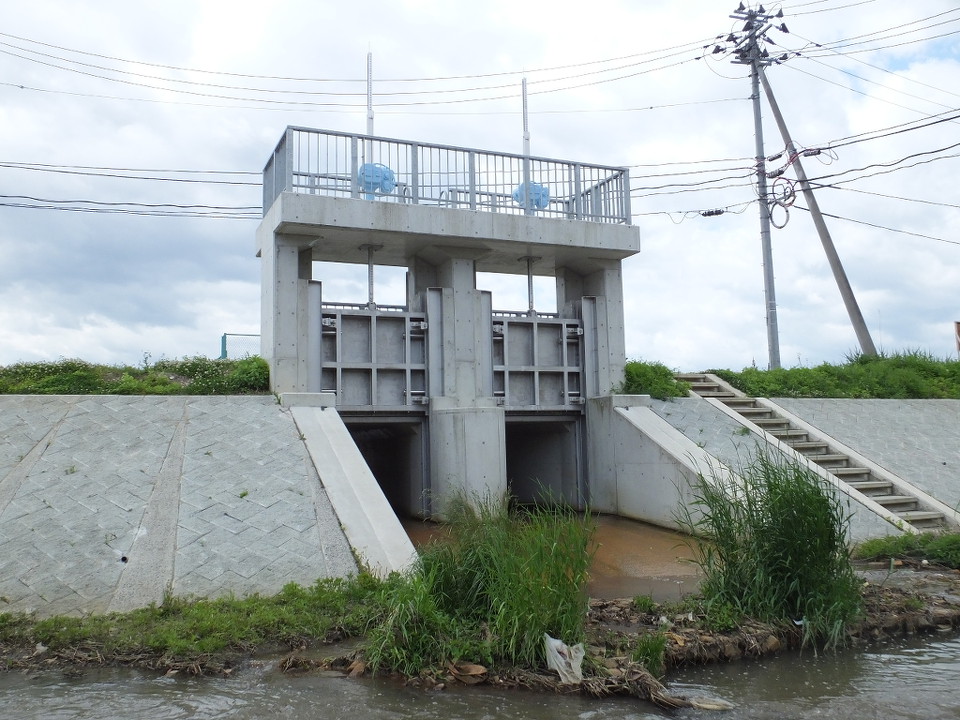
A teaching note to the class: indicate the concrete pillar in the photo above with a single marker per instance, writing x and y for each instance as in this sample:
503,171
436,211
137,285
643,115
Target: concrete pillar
603,320
467,426
286,270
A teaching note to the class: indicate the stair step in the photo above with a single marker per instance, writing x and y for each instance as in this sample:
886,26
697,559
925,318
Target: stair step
773,422
828,458
753,411
888,500
735,399
866,486
787,434
918,516
808,446
719,394
848,471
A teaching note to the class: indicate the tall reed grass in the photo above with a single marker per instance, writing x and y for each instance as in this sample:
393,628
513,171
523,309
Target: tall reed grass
774,548
490,591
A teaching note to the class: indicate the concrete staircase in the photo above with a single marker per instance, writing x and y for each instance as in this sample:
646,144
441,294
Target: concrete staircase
897,498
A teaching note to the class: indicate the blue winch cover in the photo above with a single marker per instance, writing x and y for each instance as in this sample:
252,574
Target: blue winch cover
539,195
375,177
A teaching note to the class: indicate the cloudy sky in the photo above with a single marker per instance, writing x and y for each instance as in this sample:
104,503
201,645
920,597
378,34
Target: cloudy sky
134,135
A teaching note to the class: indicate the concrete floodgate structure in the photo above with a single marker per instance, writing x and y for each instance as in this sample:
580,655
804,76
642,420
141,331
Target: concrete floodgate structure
109,503
446,396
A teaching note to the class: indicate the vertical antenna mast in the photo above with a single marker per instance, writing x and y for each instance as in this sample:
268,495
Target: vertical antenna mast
527,190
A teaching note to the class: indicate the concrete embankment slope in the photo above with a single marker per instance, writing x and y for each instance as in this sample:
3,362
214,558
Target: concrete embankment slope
108,502
667,442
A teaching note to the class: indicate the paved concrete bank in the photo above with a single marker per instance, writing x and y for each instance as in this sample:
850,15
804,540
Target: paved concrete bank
107,502
919,440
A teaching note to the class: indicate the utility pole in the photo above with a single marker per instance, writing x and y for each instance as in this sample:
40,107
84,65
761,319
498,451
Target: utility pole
839,275
748,52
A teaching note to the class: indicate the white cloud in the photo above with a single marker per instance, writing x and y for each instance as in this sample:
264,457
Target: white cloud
110,287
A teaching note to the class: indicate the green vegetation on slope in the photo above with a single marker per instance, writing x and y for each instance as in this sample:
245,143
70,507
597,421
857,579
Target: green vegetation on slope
937,548
185,630
907,375
651,378
188,376
775,549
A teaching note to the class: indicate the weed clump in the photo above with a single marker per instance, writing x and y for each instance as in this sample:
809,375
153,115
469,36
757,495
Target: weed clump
651,378
938,548
489,592
774,549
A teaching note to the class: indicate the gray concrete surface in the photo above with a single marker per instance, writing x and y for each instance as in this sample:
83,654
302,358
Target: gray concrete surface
919,440
108,502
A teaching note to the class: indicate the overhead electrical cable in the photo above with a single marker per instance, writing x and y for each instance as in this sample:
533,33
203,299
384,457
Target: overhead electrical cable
515,73
883,227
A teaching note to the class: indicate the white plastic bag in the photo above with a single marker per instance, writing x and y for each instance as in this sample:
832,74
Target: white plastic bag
564,659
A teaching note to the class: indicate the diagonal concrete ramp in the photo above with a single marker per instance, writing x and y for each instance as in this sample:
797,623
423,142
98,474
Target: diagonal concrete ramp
109,502
370,524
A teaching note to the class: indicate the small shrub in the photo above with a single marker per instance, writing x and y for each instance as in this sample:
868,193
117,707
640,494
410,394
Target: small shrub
649,651
644,603
651,378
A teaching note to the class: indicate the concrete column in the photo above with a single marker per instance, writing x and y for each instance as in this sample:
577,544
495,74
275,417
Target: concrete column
603,320
467,452
467,426
286,270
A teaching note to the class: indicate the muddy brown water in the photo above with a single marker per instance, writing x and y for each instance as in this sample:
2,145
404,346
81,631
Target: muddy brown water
630,558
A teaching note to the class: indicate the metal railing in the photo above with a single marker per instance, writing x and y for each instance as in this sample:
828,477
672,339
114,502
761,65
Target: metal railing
387,170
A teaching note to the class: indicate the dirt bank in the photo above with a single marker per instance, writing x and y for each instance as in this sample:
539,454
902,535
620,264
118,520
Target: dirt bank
908,601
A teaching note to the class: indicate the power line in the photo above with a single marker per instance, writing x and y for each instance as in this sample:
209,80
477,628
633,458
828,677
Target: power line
883,227
512,73
115,173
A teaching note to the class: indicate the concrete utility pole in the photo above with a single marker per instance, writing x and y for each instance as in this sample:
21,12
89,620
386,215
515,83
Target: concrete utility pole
853,309
748,53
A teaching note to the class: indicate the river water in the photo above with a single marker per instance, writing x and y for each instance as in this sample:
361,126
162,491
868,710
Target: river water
913,679
906,681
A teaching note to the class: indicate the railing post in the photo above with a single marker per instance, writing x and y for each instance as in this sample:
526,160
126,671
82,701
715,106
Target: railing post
287,161
625,185
577,191
354,168
415,172
472,182
527,210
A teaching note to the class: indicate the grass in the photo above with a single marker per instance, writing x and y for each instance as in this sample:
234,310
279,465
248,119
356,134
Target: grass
489,592
905,375
774,549
187,376
651,378
937,548
183,630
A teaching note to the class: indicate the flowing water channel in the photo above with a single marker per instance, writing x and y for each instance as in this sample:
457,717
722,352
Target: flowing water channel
907,680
